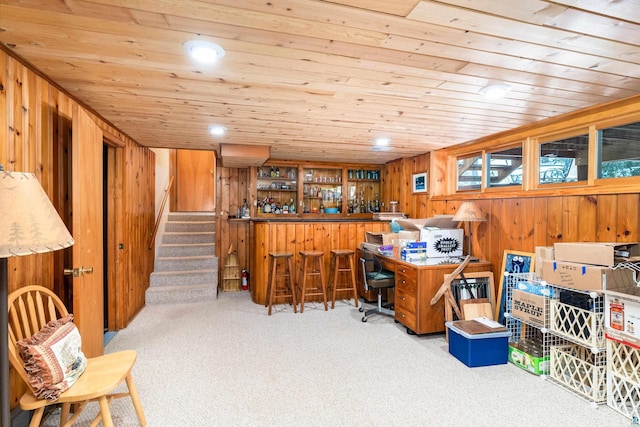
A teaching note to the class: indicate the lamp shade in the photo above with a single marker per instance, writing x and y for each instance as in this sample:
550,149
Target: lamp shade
28,221
469,211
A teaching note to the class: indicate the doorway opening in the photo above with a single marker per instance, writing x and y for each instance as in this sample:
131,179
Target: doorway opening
109,250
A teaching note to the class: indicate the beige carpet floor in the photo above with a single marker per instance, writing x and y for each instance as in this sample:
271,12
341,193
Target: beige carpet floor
227,363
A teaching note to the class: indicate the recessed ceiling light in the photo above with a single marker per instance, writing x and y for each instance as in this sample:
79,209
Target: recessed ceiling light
203,51
495,91
382,141
380,148
217,130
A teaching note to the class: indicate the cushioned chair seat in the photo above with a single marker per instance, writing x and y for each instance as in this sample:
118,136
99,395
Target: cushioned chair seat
376,277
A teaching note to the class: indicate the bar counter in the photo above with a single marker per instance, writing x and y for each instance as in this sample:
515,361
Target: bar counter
293,234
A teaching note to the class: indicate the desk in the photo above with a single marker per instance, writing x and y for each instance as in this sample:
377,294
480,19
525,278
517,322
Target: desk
416,284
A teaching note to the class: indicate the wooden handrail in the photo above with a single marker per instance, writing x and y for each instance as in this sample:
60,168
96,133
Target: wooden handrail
164,202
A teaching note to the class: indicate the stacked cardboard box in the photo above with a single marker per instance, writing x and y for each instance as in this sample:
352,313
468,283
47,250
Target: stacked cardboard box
587,266
414,252
441,235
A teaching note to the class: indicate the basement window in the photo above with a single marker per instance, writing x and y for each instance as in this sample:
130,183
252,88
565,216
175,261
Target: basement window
505,168
469,173
619,151
564,160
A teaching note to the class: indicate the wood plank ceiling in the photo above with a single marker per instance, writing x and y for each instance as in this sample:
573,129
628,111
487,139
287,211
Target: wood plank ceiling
319,80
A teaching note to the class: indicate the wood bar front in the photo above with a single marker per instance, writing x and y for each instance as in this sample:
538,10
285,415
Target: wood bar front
302,235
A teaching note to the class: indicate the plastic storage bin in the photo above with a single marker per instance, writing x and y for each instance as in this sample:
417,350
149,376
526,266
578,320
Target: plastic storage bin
478,350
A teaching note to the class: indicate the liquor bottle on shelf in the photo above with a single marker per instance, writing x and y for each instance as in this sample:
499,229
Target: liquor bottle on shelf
292,207
246,212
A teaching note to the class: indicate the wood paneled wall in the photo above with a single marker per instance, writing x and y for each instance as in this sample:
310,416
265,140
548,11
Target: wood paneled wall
36,119
522,223
232,188
136,259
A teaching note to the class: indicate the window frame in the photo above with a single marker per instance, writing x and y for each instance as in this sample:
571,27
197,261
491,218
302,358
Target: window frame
516,187
474,154
540,140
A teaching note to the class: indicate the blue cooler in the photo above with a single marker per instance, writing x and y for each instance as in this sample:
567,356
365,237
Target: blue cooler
486,349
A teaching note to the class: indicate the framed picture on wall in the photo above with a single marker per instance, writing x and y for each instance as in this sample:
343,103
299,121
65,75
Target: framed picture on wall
419,182
513,262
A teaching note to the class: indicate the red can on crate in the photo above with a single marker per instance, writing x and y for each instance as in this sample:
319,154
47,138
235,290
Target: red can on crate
245,280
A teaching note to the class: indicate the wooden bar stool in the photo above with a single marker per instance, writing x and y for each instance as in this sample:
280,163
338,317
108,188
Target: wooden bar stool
311,265
348,268
272,287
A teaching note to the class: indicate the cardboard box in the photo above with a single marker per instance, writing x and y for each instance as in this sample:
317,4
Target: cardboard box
538,365
584,277
380,238
443,242
478,350
438,221
413,255
409,235
607,254
440,232
543,253
622,314
533,309
416,245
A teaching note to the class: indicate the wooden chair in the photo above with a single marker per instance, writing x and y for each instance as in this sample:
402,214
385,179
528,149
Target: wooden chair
450,304
32,307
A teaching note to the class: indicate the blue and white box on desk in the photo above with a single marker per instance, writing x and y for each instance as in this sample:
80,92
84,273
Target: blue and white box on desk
414,252
491,348
413,256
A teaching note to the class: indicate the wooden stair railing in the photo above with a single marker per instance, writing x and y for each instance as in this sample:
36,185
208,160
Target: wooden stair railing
164,202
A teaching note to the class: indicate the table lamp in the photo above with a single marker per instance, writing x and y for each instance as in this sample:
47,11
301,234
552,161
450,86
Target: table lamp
29,224
469,212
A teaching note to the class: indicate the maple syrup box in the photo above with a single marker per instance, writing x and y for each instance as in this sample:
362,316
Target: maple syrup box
622,314
532,308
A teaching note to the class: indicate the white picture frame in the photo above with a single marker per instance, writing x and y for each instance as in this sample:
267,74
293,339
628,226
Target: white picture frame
419,182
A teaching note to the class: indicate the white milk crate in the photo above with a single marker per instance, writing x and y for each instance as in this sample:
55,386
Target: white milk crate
584,327
580,370
623,378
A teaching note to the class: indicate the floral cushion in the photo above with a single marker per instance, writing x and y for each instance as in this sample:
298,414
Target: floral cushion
53,358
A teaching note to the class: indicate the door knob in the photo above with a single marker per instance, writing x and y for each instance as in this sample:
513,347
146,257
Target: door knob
71,271
77,272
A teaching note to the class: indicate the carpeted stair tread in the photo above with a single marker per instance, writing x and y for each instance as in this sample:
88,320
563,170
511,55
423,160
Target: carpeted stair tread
186,268
186,263
180,294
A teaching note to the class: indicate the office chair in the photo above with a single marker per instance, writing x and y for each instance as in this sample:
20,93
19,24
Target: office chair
375,277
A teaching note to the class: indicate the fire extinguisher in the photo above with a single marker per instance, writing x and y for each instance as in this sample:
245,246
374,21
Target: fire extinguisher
245,280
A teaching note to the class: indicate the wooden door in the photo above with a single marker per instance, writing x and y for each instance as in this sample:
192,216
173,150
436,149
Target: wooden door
195,177
86,194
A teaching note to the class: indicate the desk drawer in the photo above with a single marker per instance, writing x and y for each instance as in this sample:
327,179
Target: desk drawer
407,282
405,302
405,315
